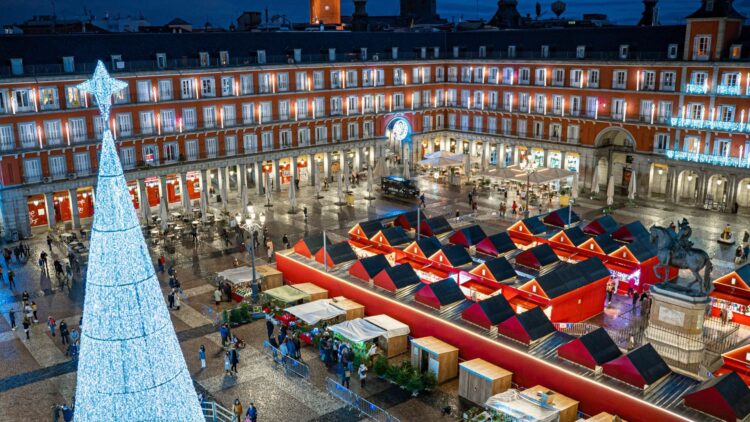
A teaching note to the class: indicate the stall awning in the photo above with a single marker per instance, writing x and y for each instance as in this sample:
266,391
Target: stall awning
237,275
314,312
357,330
287,294
392,327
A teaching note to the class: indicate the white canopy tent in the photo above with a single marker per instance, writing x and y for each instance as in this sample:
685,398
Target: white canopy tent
392,327
540,176
237,275
358,330
314,312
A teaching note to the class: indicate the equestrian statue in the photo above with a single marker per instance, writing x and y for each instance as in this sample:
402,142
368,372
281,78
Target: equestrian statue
676,249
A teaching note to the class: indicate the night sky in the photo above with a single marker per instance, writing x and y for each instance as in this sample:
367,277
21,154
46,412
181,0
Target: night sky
223,12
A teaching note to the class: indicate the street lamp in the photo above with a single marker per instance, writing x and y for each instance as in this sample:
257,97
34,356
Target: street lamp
529,168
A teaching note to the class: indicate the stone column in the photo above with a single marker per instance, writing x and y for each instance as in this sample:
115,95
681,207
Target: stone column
327,165
73,195
204,192
242,186
371,156
163,194
49,208
224,185
313,170
185,195
258,177
731,192
143,201
501,155
357,160
276,175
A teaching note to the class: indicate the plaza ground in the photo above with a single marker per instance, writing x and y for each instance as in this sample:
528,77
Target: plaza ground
36,374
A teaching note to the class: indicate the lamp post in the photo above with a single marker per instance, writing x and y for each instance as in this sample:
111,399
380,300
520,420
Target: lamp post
250,247
528,167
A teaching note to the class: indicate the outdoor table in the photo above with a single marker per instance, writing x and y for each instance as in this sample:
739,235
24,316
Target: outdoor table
155,232
176,215
66,237
179,227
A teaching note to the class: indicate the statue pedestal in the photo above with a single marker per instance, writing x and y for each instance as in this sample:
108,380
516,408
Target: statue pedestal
675,327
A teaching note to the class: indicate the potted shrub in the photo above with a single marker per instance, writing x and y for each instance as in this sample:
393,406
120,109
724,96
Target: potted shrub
405,371
245,312
414,382
380,366
224,316
392,373
429,381
235,317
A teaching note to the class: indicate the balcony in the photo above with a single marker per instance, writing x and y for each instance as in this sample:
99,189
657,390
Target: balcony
733,90
710,125
716,160
696,89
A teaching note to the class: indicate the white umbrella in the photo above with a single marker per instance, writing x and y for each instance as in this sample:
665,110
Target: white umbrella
379,170
292,194
345,175
440,162
338,187
467,167
243,197
574,189
611,190
632,187
204,203
369,181
147,205
595,181
268,188
406,168
444,154
163,214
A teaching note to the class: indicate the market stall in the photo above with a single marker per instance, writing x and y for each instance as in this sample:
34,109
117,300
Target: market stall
336,254
240,279
269,277
591,350
452,256
601,225
631,232
367,268
391,238
317,312
525,231
313,291
435,226
539,257
397,278
438,357
489,312
496,270
441,295
573,237
358,333
529,327
567,407
422,249
499,244
725,397
737,360
351,308
395,339
467,236
364,230
514,405
478,380
285,296
408,220
561,218
308,246
641,367
602,244
732,292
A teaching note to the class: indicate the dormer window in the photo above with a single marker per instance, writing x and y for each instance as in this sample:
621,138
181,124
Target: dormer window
624,49
701,47
580,52
482,51
735,51
545,51
511,51
672,51
394,53
261,56
117,62
161,60
223,58
204,60
68,64
16,66
709,5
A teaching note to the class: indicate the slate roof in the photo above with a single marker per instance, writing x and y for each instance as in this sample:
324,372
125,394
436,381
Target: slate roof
396,236
648,363
607,244
370,228
341,252
576,235
439,225
456,255
601,346
731,387
536,323
500,269
568,279
314,242
402,275
374,264
446,291
497,309
429,245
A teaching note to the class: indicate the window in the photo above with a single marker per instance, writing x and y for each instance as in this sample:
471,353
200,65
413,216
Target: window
352,100
730,79
282,81
558,77
171,152
68,64
482,51
465,95
208,87
538,130
661,142
82,163
165,90
72,96
204,59
266,114
508,101
77,129
624,50
648,80
209,117
336,106
540,104
492,100
574,134
672,51
27,134
427,98
32,169
321,134
722,147
124,124
576,78
452,74
478,126
619,79
127,157
726,113
187,88
521,128
143,89
351,78
580,52
150,154
398,101
555,131
507,126
265,83
300,108
352,131
318,79
147,122
692,144
511,51
452,121
379,77
647,110
230,145
335,79
618,108
451,100
667,82
168,121
223,58
540,77
4,103
665,111
6,138
545,51
701,47
439,74
284,110
398,76
695,111
261,55
267,140
523,102
161,60
735,51
246,84
16,66
592,106
227,86
479,74
699,78
98,127
53,132
189,118
319,107
593,78
250,142
122,96
465,122
478,99
212,147
557,104
48,98
191,149
367,77
300,81
426,123
285,138
575,106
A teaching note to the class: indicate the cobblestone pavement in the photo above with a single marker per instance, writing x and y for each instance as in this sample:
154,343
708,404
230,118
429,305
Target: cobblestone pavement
36,373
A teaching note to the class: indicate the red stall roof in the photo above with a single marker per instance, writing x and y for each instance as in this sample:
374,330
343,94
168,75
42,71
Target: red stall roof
601,225
308,246
537,257
439,294
497,244
591,350
489,312
468,236
725,397
641,367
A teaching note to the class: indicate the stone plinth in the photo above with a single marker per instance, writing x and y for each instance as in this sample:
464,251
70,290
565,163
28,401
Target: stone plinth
675,327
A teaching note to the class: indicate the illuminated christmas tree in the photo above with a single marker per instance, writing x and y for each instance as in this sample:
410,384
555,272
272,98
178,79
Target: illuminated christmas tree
131,367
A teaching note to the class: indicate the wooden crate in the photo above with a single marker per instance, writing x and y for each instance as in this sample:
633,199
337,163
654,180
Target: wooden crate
568,407
393,346
604,417
312,290
479,380
353,309
270,276
440,355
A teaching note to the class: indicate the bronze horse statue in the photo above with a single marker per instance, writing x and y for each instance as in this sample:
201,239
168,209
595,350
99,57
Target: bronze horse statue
671,252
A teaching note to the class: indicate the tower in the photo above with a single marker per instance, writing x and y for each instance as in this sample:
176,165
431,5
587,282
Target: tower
326,12
131,367
507,15
359,17
648,18
711,30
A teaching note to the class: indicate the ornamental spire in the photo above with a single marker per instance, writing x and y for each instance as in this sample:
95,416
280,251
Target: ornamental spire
102,87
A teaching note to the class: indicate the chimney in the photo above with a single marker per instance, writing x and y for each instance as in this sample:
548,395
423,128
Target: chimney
648,18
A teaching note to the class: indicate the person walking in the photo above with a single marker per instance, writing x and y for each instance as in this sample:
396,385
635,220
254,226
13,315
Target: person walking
610,292
12,318
237,409
636,295
217,296
421,200
28,312
252,413
176,300
513,208
227,364
11,280
51,324
362,375
170,299
235,358
64,333
74,336
304,213
285,241
26,325
269,327
224,333
49,242
34,309
202,356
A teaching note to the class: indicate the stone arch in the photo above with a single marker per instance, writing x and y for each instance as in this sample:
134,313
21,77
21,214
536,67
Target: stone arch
659,173
717,189
688,182
743,192
615,137
602,167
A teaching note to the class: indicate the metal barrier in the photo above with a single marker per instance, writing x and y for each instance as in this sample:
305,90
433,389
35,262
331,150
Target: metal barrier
291,366
353,401
214,412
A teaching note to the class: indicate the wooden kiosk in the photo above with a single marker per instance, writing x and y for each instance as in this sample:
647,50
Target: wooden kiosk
479,380
353,309
567,407
396,338
438,357
270,277
313,291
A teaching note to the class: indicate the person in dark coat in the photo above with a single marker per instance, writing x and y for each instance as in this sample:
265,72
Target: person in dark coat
170,299
234,357
228,291
269,327
64,333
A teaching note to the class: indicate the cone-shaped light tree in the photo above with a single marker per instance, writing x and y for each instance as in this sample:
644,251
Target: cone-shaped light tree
131,367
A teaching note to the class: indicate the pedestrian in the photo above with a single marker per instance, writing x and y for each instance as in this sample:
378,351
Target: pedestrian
217,296
228,292
25,296
160,262
224,333
285,241
28,312
235,358
471,198
291,348
421,200
49,242
170,299
51,324
237,409
269,327
11,280
64,334
269,247
474,207
202,356
34,308
176,296
227,363
513,208
362,375
12,318
252,413
304,212
635,298
345,376
610,291
256,244
723,315
26,325
74,336
194,234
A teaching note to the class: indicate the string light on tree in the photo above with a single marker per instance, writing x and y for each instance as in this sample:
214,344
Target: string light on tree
131,367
